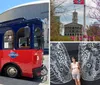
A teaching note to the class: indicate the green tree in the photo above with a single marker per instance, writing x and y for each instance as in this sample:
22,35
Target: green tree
94,30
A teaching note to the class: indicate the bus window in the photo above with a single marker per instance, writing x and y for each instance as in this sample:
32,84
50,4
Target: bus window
38,39
9,39
23,40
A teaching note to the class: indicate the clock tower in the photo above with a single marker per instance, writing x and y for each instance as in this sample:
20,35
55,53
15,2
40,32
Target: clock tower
75,18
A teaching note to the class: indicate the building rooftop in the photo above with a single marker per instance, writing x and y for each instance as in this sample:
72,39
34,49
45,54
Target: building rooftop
26,4
72,24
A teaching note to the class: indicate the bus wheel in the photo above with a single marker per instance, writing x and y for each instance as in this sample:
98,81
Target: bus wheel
11,71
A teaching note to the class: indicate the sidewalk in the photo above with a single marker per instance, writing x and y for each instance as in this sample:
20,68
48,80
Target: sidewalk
46,62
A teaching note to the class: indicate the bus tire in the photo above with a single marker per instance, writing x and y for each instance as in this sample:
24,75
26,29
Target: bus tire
11,71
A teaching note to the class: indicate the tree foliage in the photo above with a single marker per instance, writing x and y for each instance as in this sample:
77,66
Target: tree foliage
94,30
95,11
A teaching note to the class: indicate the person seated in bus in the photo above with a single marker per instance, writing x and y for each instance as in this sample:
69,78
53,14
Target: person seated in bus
24,45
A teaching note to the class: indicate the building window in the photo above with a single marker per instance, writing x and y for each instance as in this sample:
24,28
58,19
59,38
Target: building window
77,31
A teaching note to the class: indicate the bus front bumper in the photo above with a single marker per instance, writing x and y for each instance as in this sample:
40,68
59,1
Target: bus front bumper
37,71
41,71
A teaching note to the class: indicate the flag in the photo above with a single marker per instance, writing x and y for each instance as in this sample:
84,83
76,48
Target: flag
78,1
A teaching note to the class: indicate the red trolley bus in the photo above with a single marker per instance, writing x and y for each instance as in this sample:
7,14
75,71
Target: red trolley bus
21,47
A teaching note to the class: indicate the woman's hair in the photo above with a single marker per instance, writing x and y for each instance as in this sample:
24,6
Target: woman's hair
74,57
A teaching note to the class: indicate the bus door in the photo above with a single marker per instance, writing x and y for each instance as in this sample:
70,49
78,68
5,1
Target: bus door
38,45
24,51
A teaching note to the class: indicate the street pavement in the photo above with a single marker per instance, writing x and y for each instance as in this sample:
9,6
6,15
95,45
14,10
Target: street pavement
26,81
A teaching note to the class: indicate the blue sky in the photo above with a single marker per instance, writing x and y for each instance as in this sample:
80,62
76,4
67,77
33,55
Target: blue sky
6,4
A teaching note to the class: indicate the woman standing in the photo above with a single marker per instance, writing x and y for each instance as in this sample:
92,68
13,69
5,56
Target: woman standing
75,70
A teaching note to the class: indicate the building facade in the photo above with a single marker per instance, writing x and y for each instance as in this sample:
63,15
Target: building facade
73,29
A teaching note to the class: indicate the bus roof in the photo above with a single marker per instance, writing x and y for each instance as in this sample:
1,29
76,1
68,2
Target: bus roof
19,21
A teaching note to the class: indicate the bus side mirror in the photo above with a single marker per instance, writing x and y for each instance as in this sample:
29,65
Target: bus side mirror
27,31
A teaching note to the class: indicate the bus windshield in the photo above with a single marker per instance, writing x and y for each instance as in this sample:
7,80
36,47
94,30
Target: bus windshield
38,39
